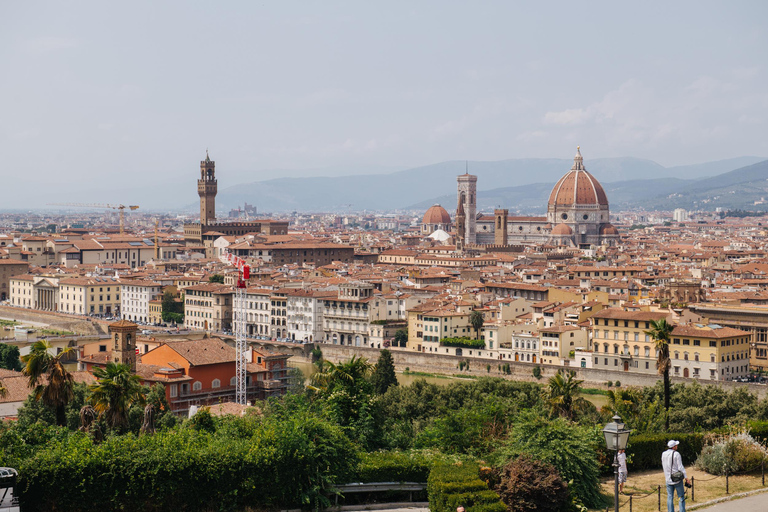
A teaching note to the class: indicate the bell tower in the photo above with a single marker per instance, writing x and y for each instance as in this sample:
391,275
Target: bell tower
123,341
500,229
207,186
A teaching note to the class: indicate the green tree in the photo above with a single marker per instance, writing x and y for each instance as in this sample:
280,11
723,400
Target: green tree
351,376
401,337
563,394
115,391
216,278
172,309
51,382
9,357
384,373
660,331
476,321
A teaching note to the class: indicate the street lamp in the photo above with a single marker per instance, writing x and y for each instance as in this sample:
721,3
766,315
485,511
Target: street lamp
616,437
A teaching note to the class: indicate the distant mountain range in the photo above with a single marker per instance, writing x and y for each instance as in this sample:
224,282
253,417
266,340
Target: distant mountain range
520,185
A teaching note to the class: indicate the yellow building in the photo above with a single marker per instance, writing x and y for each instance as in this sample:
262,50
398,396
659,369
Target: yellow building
156,311
89,296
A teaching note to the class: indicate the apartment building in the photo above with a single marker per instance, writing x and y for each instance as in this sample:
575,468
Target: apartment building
35,291
8,269
304,310
258,312
619,341
135,298
208,307
90,296
346,317
709,352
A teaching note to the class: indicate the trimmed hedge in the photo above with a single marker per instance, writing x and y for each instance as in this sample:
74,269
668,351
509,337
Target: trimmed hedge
393,467
644,450
463,342
454,485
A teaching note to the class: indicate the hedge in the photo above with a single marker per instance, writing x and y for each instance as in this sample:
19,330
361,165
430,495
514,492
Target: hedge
462,342
451,486
393,467
644,450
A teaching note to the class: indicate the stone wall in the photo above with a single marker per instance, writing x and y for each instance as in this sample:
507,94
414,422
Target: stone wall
60,321
449,365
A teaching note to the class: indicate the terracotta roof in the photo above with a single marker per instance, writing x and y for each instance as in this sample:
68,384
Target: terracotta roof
436,215
203,352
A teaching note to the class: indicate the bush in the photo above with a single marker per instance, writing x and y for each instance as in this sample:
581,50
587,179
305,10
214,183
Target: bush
644,450
393,467
529,485
570,448
618,384
609,383
537,371
452,486
462,342
731,454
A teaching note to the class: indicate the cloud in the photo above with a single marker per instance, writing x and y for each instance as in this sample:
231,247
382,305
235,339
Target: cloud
568,117
40,45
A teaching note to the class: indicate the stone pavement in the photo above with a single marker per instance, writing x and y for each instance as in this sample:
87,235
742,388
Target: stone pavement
754,503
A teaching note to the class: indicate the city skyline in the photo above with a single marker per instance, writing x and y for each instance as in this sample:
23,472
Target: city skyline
104,93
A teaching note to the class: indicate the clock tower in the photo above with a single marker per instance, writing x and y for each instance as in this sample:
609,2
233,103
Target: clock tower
207,187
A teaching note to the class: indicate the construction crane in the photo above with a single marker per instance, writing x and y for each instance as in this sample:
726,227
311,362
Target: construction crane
119,207
239,320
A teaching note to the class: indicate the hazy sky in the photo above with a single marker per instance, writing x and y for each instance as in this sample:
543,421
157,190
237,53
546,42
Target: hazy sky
104,96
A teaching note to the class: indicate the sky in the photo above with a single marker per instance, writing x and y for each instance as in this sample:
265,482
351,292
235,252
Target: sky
101,100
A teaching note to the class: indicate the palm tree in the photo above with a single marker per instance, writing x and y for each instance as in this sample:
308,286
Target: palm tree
114,392
350,375
563,391
660,331
476,321
51,382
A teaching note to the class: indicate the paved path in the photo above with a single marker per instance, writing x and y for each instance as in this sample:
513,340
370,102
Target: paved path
756,503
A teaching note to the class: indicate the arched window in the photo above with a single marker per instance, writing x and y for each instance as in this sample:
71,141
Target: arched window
216,383
233,381
197,386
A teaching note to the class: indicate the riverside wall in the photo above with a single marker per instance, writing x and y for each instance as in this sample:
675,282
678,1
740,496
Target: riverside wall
61,321
520,371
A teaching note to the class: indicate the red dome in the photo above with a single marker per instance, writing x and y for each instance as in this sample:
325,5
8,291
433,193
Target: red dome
436,215
578,187
608,229
562,229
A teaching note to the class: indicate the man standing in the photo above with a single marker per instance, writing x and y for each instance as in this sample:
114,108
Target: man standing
675,476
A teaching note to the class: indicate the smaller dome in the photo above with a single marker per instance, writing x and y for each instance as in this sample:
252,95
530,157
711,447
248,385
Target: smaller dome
608,229
562,229
436,215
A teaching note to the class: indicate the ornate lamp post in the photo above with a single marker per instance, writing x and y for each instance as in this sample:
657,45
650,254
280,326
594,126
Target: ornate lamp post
616,437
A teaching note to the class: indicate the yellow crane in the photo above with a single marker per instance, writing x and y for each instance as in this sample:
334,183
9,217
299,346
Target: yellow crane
121,208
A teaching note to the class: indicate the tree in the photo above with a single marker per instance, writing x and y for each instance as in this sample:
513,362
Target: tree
384,373
530,485
216,278
476,321
9,357
51,382
401,337
660,331
3,391
116,389
562,393
350,376
172,309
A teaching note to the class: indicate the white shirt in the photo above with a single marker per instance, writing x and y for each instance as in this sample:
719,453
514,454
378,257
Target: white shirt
622,458
671,461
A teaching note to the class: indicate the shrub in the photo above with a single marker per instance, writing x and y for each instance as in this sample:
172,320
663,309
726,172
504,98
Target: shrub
618,384
644,450
731,454
450,486
570,448
462,342
609,383
529,485
537,371
393,467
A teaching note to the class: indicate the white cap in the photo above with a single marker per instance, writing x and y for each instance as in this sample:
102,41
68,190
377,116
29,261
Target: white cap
672,443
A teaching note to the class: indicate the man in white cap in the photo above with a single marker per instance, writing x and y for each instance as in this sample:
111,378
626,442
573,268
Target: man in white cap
675,476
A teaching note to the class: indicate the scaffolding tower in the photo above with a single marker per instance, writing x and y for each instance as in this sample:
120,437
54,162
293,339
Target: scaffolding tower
239,319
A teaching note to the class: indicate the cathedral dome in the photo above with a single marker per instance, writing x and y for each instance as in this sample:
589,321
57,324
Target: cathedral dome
578,187
608,229
436,215
562,230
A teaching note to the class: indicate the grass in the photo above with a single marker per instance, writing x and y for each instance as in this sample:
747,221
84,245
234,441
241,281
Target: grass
8,322
593,391
706,486
55,332
426,374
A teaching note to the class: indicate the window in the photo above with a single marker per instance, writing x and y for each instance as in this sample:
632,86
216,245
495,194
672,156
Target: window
233,381
174,390
216,383
197,386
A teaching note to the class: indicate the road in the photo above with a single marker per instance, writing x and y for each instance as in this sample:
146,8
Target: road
756,503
